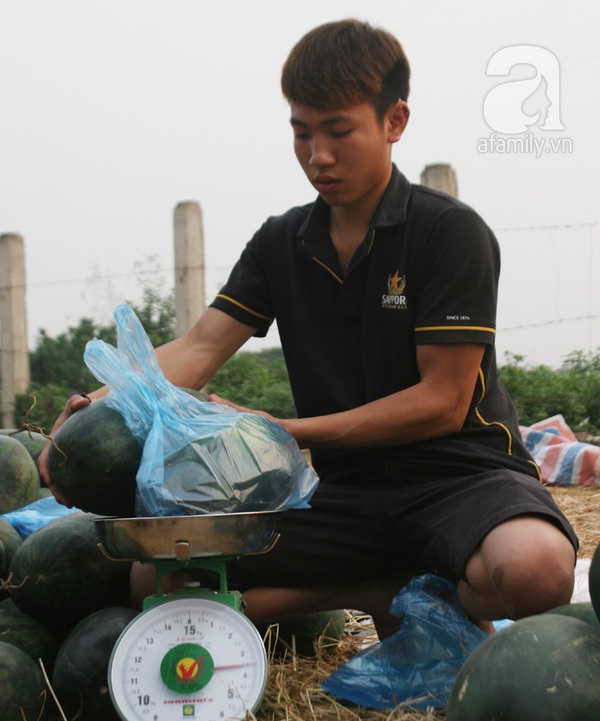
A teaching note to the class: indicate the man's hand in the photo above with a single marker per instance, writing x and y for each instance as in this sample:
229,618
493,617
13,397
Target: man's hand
71,406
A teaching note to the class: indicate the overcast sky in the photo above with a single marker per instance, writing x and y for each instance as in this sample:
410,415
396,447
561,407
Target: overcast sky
114,112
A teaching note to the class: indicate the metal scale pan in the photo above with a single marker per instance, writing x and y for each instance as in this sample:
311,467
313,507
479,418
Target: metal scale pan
185,537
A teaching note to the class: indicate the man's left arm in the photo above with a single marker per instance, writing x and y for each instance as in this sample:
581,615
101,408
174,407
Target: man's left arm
436,406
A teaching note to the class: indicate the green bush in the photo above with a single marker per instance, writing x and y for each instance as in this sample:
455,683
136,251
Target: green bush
539,392
258,381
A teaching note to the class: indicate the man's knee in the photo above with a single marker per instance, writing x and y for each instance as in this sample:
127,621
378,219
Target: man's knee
531,565
530,586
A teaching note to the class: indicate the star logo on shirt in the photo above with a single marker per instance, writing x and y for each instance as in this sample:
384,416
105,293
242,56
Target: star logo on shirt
394,298
396,284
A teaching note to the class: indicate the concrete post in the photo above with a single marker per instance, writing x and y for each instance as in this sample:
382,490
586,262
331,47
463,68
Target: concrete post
189,265
14,363
440,176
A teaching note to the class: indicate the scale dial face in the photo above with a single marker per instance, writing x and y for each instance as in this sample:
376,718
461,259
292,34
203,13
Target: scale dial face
189,658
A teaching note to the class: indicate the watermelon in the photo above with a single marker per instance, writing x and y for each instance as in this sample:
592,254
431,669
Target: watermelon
19,477
10,540
22,686
594,581
102,459
80,675
60,575
28,634
584,611
541,667
33,441
97,472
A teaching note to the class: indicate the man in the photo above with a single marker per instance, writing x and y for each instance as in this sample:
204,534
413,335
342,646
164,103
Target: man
385,299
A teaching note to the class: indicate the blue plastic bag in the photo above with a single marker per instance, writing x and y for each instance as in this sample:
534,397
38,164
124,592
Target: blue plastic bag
28,519
416,666
198,457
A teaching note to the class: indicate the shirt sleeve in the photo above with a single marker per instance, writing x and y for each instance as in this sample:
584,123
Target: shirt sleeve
245,294
458,277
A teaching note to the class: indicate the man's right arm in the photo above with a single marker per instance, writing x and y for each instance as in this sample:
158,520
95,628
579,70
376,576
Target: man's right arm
189,361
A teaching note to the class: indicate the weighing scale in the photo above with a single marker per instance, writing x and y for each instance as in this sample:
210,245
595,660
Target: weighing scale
192,653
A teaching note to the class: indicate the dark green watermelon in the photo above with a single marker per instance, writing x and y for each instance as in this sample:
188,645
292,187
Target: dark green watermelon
22,685
583,611
10,540
80,676
102,456
19,477
544,667
33,441
28,634
594,581
97,472
61,576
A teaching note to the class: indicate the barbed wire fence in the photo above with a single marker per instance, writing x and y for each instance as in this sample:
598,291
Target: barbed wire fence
549,300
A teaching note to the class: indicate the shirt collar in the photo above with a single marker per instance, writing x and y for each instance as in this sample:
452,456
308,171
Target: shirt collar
392,208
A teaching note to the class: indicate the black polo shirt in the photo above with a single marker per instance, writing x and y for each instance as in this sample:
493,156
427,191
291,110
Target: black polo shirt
426,272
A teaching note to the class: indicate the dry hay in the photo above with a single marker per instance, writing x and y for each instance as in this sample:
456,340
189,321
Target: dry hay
581,505
293,691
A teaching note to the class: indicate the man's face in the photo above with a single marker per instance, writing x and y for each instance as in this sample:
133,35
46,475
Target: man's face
345,153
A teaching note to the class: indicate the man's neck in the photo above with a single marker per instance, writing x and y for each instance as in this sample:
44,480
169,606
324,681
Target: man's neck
349,224
347,232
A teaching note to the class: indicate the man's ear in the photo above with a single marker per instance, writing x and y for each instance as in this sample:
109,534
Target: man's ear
397,119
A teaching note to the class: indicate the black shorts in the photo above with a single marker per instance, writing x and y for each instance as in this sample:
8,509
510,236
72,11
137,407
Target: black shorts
355,532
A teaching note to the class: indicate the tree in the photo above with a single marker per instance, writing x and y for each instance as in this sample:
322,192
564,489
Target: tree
258,381
59,361
157,315
586,369
540,392
58,369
